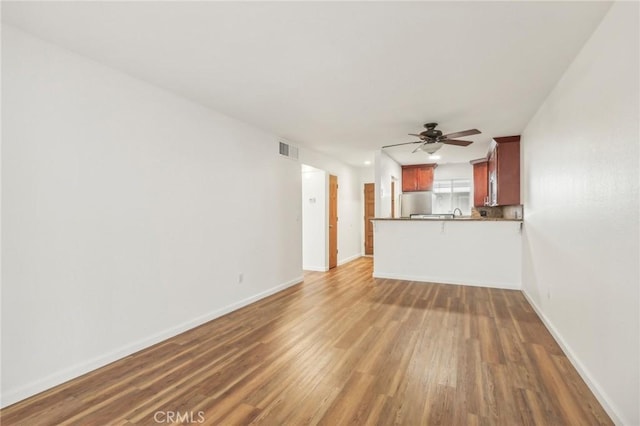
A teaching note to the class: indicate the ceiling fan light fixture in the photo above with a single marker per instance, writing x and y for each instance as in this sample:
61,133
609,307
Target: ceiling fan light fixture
431,148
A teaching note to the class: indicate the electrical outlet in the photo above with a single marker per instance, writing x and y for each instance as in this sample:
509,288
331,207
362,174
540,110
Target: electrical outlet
240,278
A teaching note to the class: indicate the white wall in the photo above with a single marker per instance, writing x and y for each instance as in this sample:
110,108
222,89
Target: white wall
128,214
349,206
386,170
367,175
314,219
580,191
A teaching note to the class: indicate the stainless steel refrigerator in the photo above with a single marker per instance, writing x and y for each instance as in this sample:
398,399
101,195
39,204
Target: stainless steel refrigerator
415,203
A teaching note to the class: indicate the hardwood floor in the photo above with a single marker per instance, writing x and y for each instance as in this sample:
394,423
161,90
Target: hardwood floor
341,348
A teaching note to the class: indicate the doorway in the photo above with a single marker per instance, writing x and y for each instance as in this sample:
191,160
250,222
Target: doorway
314,219
369,213
333,221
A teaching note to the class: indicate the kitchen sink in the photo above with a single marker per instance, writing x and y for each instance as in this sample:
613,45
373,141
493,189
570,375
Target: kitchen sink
432,216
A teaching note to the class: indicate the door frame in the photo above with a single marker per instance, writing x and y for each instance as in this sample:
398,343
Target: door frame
364,213
332,223
315,215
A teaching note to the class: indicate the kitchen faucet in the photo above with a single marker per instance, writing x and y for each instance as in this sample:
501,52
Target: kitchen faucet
454,211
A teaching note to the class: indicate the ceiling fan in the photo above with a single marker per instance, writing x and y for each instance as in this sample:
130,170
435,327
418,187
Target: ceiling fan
432,140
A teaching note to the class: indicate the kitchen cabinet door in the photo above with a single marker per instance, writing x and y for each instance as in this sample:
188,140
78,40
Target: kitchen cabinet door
417,177
508,171
424,179
409,179
504,171
480,183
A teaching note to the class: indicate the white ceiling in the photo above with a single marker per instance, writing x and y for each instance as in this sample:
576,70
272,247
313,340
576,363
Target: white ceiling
342,78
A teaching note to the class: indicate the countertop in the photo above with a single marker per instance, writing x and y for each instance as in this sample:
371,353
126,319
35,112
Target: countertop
458,219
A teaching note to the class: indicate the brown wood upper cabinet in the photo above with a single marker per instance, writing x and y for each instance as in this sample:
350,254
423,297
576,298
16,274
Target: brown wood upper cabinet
418,177
503,171
480,182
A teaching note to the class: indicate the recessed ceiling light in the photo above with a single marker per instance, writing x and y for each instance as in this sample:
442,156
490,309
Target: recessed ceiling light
434,157
366,163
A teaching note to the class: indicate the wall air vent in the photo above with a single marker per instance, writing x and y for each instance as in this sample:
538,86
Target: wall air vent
288,150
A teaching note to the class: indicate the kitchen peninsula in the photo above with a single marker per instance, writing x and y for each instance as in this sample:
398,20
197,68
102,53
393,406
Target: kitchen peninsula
483,249
478,252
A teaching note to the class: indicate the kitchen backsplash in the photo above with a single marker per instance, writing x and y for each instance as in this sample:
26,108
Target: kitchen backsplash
506,212
512,212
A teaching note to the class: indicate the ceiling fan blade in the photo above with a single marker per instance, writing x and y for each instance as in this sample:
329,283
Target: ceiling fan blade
413,134
457,142
463,133
398,144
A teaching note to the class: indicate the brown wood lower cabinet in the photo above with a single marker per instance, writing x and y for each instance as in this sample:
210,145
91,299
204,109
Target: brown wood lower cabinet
418,177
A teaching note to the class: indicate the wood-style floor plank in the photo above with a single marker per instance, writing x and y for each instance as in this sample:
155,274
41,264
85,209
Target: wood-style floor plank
340,348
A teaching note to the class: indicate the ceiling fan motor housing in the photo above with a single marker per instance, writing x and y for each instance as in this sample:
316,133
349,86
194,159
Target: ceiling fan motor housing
431,132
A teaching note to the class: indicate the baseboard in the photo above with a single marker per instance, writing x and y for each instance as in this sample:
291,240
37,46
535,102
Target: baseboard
580,368
421,278
315,268
75,371
325,269
349,259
